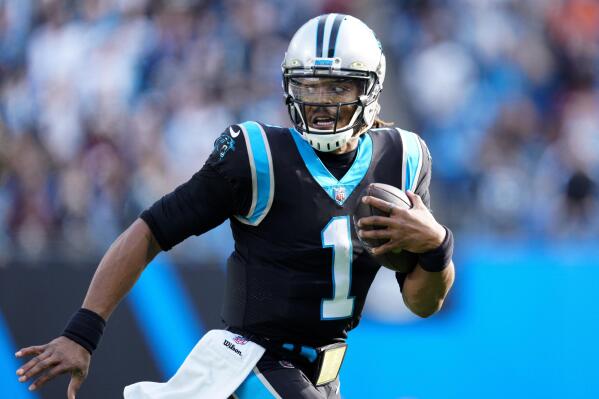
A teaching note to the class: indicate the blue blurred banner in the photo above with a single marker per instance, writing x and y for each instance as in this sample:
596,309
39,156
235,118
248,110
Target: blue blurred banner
166,314
521,324
11,388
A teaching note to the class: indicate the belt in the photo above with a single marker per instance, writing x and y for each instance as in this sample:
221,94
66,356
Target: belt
325,361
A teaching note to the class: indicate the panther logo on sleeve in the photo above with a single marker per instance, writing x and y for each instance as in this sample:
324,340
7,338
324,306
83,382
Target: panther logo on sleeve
223,144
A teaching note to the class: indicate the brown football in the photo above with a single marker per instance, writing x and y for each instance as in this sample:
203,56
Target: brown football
398,260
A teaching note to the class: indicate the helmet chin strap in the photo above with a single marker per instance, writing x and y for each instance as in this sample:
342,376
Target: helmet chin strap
328,142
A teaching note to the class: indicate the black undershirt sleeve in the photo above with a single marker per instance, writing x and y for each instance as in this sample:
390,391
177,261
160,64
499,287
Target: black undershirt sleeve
221,189
200,204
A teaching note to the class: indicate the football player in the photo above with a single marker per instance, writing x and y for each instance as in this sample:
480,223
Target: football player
298,277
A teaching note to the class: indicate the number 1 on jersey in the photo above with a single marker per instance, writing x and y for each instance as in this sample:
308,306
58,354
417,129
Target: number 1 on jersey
337,235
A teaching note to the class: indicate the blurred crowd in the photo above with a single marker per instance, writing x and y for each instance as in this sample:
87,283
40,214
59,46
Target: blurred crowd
106,105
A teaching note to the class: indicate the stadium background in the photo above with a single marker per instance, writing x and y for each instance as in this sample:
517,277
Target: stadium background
105,105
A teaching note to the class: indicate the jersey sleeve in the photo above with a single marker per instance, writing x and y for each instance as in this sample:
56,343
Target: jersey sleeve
258,173
416,177
424,178
221,189
416,165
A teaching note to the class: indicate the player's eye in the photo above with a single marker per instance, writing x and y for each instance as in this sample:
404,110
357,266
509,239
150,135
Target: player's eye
341,89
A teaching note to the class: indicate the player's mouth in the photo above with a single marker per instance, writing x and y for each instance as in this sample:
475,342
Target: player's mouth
324,122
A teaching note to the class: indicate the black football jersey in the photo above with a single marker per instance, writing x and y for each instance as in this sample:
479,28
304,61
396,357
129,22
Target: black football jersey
298,272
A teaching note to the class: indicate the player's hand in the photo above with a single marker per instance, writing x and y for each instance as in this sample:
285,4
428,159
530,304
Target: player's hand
414,229
57,357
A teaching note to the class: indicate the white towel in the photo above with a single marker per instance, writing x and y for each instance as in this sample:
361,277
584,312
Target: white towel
214,369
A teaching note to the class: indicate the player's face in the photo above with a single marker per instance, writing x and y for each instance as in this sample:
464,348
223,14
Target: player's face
328,93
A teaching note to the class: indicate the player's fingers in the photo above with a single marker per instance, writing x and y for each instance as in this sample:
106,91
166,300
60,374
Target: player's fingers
381,233
378,203
38,368
53,372
388,246
415,198
375,221
74,385
31,363
31,350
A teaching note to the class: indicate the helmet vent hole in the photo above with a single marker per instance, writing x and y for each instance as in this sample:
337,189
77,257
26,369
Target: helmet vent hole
328,146
336,144
318,145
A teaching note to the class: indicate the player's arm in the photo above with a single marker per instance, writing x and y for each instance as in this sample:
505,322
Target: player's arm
118,271
425,288
416,230
120,268
424,292
195,207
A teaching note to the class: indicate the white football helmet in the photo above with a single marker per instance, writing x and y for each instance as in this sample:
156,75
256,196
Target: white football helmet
337,49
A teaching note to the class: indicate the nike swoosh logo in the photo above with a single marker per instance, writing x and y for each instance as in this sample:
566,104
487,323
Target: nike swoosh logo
233,133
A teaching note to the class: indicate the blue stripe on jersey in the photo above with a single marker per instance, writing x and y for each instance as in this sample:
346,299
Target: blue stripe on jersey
412,153
325,179
165,314
253,388
11,388
261,165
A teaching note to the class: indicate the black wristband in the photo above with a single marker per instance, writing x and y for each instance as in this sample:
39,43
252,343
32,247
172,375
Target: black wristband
439,258
85,328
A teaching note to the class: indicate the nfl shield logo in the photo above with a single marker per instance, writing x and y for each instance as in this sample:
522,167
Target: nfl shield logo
340,195
240,340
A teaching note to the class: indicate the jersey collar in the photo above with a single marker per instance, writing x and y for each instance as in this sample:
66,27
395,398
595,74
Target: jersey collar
338,190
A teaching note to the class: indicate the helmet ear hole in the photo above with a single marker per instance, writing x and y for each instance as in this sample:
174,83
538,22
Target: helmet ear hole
370,113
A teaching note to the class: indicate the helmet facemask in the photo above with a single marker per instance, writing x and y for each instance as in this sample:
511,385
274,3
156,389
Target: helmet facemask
328,109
